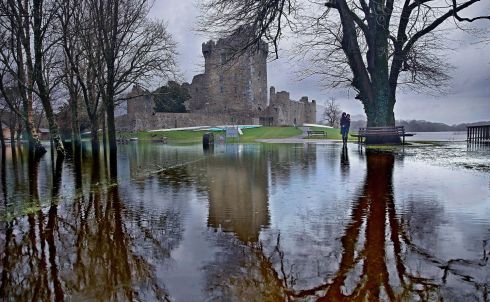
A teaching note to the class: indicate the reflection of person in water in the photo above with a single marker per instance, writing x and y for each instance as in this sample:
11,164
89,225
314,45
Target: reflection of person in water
344,160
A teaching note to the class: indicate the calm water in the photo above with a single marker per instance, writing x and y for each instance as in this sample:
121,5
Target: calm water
245,223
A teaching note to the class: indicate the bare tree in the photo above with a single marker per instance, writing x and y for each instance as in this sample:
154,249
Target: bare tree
332,113
43,13
134,49
73,18
83,60
373,45
15,73
27,56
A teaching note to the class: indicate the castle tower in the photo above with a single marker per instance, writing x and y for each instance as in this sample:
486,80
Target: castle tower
232,83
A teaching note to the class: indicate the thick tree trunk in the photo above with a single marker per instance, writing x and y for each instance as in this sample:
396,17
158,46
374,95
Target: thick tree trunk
35,146
379,107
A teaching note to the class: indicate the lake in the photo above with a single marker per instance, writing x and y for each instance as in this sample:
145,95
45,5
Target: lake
253,222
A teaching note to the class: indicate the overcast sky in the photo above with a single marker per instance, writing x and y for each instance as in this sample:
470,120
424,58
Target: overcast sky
467,100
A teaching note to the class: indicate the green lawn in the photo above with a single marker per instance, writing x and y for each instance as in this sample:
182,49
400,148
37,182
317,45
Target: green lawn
333,133
189,136
250,135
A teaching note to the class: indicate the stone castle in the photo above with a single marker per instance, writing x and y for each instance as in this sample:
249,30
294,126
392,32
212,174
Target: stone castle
232,90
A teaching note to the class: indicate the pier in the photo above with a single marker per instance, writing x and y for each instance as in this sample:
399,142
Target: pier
478,134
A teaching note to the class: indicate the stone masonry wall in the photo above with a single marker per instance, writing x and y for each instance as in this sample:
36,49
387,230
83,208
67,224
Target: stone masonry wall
230,82
283,111
159,120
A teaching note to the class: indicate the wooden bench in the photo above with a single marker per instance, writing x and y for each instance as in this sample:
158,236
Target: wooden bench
316,132
380,132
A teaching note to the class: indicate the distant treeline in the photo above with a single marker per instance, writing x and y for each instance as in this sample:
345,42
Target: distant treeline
424,126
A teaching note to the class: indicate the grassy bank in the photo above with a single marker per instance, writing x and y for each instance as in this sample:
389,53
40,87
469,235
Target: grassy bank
250,135
190,136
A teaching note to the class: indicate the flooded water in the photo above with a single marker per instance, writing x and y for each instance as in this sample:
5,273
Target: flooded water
259,222
442,136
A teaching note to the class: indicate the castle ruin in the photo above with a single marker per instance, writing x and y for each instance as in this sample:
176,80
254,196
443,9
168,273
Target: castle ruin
230,83
232,90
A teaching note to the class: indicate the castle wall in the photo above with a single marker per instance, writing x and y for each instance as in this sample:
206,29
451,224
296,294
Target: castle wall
139,101
164,120
283,111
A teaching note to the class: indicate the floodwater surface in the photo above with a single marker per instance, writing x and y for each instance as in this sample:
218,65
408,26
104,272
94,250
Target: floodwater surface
258,222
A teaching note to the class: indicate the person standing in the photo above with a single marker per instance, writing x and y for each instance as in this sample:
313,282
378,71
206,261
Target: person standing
345,134
343,124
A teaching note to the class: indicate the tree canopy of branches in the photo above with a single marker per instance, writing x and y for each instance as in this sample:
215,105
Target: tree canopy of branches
134,49
91,50
372,45
27,53
171,98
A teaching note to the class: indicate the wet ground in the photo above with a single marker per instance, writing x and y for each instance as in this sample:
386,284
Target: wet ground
259,222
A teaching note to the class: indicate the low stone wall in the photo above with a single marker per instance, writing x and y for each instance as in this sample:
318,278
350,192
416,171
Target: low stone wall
143,121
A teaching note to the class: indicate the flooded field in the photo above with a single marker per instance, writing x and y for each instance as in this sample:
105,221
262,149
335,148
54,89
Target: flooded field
258,222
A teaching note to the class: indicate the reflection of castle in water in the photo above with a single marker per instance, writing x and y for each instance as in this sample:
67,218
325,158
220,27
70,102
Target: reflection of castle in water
238,196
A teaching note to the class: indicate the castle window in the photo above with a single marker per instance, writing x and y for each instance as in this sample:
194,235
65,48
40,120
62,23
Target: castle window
221,89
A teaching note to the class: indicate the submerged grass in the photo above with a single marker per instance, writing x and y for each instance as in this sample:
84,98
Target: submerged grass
18,207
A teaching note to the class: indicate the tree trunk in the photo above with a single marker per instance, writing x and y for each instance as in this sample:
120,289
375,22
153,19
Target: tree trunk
379,107
75,125
35,146
104,130
95,135
18,133
2,138
111,129
13,145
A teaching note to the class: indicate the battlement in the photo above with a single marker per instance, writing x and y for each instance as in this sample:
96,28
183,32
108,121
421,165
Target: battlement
232,44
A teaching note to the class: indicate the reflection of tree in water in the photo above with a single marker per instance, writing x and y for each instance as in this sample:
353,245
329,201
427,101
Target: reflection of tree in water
379,260
93,247
240,271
